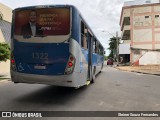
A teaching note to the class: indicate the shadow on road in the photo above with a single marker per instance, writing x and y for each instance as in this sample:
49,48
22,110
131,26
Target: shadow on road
51,95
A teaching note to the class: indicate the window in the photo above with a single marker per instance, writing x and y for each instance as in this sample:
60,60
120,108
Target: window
84,33
101,50
49,21
146,17
156,16
97,47
94,45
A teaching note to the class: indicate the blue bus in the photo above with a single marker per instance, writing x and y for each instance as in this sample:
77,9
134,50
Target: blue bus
54,45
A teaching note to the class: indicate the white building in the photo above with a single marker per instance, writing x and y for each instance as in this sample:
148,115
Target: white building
140,26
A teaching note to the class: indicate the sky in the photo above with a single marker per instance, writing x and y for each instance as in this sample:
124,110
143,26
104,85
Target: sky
102,16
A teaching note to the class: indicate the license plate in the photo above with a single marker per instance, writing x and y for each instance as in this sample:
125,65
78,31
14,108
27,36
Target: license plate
39,67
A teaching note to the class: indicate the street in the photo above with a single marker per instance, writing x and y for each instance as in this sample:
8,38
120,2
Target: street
113,90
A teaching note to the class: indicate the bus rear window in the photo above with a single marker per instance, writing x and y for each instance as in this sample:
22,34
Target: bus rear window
42,21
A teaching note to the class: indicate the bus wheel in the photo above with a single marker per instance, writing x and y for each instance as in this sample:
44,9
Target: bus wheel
93,75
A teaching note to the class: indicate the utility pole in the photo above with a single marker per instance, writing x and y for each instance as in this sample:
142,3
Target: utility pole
117,40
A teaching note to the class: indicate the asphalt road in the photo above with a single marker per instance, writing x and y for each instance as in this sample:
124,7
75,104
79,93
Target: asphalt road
113,90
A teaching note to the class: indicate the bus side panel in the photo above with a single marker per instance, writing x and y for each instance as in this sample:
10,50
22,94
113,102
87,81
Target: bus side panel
97,62
75,48
81,65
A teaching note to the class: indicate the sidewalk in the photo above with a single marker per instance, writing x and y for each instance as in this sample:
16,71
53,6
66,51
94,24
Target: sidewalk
5,69
148,69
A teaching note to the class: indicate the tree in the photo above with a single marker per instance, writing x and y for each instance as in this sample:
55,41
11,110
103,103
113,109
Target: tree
4,52
105,57
113,47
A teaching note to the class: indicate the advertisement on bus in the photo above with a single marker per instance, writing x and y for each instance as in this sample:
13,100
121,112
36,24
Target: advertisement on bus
42,22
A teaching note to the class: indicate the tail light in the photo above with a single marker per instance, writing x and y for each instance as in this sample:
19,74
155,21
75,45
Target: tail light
70,65
13,64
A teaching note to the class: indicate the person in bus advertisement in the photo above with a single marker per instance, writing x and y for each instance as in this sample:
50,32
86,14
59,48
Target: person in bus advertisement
32,27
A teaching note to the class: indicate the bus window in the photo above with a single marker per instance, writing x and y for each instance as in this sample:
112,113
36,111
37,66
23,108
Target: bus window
97,47
94,45
101,50
84,36
45,23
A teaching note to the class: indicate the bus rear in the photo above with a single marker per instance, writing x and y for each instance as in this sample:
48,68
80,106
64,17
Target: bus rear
40,47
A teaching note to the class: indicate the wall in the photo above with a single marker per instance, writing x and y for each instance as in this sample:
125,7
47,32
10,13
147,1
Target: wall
5,24
7,12
124,48
146,27
1,37
150,58
5,31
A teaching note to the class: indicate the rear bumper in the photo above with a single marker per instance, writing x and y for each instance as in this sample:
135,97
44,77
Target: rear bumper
62,80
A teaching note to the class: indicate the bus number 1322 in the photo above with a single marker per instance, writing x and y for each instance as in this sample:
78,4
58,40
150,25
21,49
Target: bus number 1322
42,56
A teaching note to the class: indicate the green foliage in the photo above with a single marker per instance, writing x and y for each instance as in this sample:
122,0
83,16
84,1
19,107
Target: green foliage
112,47
4,52
105,57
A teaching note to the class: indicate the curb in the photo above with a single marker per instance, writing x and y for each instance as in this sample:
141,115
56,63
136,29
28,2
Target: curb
139,72
146,73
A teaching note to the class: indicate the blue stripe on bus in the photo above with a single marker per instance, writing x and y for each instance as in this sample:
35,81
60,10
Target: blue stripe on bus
96,58
85,53
76,32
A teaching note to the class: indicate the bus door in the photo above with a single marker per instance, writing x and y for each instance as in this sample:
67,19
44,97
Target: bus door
90,51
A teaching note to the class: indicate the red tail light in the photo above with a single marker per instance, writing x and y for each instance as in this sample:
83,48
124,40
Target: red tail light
70,65
13,63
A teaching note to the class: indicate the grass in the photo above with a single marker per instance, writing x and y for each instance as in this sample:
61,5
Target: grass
3,78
